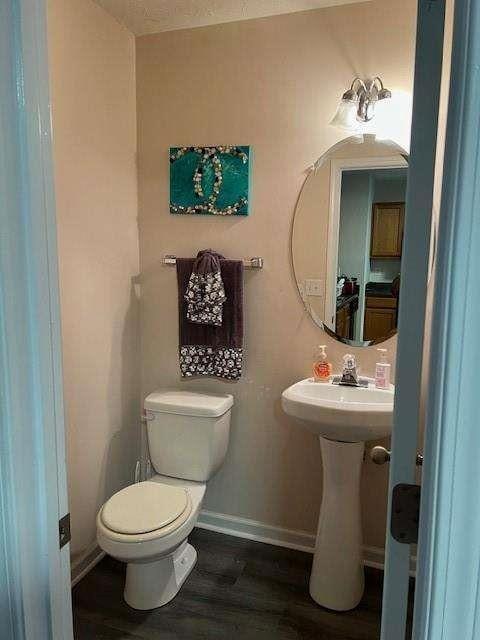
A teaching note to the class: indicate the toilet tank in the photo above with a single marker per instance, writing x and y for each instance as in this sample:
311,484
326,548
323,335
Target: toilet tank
187,432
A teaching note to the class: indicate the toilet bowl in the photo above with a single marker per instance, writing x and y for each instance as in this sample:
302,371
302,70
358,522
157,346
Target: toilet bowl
147,524
159,559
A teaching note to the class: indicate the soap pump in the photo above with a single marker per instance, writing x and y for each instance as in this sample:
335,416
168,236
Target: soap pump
322,369
382,371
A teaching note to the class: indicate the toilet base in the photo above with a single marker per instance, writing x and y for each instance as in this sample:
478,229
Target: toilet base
152,584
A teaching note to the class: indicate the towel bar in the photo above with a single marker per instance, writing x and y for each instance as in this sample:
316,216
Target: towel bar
253,263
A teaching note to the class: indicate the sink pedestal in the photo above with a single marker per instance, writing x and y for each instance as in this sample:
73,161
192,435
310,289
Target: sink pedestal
337,578
344,417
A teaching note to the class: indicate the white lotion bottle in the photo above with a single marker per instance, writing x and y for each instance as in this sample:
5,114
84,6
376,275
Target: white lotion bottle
382,371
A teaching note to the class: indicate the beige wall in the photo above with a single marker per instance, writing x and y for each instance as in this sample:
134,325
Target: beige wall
92,66
274,84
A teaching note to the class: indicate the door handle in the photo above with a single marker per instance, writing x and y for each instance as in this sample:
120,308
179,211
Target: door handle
380,455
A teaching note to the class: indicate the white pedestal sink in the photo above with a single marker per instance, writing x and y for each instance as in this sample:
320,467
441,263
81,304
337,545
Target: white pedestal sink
344,418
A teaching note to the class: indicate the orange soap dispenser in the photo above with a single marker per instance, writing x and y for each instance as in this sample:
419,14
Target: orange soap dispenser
322,368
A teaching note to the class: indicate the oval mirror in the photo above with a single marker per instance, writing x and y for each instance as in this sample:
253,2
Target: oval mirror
347,239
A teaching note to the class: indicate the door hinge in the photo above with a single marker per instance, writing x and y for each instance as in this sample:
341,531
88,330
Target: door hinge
64,534
405,513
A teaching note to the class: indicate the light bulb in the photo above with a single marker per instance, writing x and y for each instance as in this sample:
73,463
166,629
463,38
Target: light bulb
393,118
346,116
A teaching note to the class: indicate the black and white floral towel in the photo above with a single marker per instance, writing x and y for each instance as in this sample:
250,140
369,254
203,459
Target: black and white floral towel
211,349
222,362
205,293
205,297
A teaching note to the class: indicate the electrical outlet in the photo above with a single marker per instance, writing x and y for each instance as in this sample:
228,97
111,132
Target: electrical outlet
314,287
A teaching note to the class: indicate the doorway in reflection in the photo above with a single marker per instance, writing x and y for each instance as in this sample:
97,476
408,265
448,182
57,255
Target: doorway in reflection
372,211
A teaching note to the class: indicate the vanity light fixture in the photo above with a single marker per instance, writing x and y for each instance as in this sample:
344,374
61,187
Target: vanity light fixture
357,105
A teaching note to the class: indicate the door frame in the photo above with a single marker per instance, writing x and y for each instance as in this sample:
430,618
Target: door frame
408,407
337,167
447,602
34,571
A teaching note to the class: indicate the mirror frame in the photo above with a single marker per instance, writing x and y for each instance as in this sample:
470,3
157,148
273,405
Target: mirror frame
332,251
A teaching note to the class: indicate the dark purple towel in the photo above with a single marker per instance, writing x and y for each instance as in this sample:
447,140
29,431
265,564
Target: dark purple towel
206,349
207,261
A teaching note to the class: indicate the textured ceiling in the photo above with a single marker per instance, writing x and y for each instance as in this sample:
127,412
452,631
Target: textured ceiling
152,16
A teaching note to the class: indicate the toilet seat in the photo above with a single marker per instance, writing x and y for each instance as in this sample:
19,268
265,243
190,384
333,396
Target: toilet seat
145,511
144,507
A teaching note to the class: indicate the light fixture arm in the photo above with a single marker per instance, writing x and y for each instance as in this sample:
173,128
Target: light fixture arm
358,81
365,93
357,87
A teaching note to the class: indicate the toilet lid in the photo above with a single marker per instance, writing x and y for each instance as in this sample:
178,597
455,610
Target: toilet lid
144,507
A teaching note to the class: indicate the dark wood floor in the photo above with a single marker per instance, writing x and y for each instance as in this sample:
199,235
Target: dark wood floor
239,590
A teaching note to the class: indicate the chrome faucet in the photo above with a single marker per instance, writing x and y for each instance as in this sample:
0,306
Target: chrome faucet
350,376
349,373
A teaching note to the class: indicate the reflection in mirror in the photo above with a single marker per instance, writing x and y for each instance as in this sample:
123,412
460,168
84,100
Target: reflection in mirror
347,239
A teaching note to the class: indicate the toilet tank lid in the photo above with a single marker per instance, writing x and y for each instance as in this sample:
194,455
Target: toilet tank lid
189,403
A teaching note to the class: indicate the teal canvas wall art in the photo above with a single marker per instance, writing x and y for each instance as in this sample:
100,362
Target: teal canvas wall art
210,180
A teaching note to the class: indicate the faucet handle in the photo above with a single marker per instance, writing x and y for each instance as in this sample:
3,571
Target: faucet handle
349,361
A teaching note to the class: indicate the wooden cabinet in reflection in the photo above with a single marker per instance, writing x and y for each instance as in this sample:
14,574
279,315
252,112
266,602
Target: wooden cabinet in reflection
347,307
380,317
343,326
387,229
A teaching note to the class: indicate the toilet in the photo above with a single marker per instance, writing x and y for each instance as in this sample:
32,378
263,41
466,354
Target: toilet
147,524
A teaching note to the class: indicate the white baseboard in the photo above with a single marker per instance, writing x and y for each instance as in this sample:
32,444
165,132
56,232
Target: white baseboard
257,531
251,530
86,563
289,538
374,557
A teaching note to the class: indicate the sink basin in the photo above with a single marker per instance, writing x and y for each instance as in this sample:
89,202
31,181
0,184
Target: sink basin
344,418
341,413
